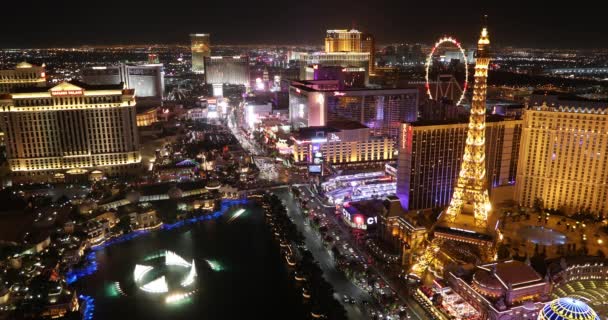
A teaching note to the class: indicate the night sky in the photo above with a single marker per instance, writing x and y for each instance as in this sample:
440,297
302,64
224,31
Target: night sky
66,23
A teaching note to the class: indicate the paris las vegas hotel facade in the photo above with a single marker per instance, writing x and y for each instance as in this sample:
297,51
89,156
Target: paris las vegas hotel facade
69,129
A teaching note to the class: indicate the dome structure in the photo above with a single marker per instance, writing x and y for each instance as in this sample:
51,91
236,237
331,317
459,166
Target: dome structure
487,284
567,309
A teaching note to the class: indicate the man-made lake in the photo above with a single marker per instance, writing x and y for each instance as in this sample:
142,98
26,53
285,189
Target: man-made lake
254,282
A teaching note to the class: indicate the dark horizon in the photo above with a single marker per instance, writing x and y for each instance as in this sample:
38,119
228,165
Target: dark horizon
272,22
184,44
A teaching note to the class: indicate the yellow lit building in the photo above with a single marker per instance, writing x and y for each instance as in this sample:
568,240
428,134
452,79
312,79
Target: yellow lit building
340,142
562,160
201,48
344,40
69,128
147,117
24,75
374,149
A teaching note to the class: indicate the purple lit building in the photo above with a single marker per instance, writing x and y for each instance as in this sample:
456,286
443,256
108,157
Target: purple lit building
348,77
430,156
314,103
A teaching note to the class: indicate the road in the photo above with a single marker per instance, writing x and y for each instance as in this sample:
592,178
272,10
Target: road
341,284
414,309
246,143
313,242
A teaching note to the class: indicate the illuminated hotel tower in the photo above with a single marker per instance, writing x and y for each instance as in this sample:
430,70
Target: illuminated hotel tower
471,191
201,48
351,41
563,159
69,129
24,75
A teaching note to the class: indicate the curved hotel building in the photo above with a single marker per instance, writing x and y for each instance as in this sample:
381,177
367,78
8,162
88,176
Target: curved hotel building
69,128
201,48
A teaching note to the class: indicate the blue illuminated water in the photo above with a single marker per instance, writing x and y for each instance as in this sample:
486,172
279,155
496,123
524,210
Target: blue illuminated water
255,282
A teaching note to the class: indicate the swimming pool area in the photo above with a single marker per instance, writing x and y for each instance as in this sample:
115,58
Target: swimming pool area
542,235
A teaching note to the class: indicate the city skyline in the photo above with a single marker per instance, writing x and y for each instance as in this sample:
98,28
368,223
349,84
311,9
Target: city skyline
137,22
353,181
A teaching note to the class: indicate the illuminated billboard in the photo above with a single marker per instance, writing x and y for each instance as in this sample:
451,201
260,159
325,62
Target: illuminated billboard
314,168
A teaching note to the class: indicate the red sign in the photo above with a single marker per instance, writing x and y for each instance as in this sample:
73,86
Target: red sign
67,93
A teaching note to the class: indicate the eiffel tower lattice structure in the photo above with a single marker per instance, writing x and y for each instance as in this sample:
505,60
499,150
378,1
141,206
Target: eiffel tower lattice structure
471,188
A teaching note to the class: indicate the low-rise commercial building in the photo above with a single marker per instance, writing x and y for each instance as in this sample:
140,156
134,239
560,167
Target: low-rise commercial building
147,116
502,290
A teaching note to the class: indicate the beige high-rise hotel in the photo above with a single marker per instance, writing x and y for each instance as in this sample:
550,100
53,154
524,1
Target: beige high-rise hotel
70,128
562,160
24,75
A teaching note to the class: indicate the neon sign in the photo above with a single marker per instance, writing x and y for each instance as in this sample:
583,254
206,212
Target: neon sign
359,219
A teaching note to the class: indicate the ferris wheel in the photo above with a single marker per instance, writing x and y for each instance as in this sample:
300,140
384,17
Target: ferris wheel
446,85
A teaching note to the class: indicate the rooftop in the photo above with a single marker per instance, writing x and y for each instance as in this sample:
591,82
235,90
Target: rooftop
366,207
345,125
312,132
512,273
307,85
565,96
464,120
78,84
145,109
472,234
23,65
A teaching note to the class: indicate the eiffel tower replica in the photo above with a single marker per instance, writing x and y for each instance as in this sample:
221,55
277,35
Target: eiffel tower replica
466,218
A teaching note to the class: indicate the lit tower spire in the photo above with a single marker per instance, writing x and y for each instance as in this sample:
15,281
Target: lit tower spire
471,191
